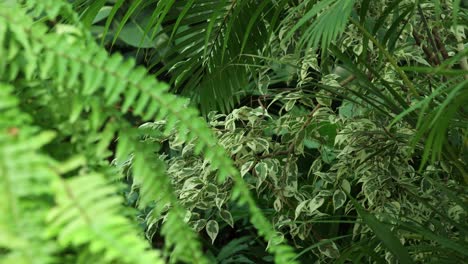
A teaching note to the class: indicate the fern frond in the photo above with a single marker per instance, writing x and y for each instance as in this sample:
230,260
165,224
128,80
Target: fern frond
149,174
87,206
51,9
88,212
55,51
25,176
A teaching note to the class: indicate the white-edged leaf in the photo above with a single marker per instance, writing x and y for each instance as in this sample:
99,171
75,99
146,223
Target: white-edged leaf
212,229
199,225
277,204
346,186
315,203
245,168
227,217
339,199
299,209
329,249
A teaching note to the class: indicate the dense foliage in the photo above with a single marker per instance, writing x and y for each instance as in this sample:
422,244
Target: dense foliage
331,131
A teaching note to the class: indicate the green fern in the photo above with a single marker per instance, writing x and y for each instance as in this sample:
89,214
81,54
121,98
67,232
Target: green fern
50,43
94,82
87,212
25,176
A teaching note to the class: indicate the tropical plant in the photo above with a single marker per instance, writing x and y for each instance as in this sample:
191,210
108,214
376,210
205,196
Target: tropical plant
217,63
66,85
333,131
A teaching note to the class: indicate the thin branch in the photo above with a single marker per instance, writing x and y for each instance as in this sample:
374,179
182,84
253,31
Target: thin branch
429,35
389,57
439,44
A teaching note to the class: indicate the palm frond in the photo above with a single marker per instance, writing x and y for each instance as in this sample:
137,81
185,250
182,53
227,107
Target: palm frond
206,40
330,18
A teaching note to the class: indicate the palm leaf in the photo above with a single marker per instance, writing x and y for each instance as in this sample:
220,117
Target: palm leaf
206,39
331,17
388,238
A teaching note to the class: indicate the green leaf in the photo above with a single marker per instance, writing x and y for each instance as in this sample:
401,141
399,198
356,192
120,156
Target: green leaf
261,171
328,154
311,143
246,167
227,217
211,190
346,186
277,205
328,132
91,12
134,35
212,229
102,14
299,209
315,203
199,225
339,199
